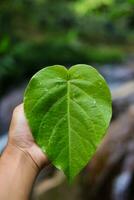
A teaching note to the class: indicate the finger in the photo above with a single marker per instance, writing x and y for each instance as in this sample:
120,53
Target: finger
19,123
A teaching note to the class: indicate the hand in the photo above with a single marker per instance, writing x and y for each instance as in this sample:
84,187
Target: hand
21,161
20,137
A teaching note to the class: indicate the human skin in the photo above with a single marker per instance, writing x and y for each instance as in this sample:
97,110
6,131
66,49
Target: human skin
21,160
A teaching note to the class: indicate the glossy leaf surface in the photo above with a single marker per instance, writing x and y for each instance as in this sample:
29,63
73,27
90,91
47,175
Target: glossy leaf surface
68,112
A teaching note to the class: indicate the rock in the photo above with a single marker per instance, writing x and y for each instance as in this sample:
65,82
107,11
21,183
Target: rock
123,97
116,75
56,187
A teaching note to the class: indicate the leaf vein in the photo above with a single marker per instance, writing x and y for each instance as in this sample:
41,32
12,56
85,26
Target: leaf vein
52,106
88,118
92,143
54,129
90,98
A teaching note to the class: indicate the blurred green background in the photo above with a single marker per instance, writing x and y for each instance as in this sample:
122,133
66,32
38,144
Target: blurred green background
37,33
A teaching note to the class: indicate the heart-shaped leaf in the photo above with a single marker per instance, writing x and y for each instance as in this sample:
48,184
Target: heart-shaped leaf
68,112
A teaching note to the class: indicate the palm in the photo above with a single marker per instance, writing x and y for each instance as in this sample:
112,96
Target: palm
21,137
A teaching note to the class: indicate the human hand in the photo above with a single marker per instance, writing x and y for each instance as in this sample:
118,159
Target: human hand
20,137
21,161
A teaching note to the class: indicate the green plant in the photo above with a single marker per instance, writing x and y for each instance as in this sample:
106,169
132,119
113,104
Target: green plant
68,112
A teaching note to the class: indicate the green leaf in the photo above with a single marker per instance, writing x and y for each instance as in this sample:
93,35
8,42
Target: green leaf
68,112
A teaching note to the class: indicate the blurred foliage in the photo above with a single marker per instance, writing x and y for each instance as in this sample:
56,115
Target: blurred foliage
36,33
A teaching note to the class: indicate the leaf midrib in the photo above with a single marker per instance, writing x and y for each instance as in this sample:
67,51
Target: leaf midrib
68,121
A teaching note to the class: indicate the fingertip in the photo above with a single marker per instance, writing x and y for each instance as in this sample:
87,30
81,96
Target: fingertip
17,110
18,115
